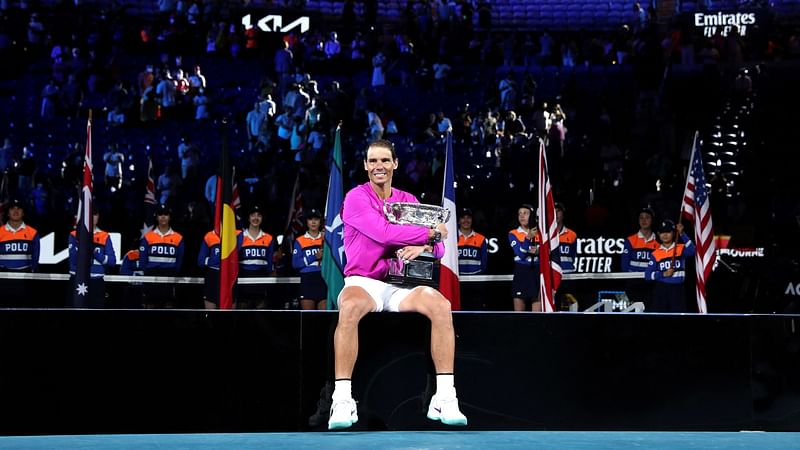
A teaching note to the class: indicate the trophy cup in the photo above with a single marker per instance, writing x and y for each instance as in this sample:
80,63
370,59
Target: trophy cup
423,270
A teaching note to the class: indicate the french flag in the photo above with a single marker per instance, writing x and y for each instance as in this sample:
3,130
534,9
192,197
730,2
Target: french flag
448,277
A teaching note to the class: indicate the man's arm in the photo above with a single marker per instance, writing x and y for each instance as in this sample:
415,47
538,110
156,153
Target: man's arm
360,215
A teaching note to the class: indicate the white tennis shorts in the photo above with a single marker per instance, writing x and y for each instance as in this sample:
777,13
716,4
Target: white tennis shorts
387,296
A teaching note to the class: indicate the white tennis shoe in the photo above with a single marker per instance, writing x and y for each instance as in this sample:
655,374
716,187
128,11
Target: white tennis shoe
343,414
446,410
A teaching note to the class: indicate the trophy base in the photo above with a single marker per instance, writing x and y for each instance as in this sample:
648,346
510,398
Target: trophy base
422,271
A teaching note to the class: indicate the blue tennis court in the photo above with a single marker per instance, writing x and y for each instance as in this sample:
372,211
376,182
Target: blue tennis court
413,440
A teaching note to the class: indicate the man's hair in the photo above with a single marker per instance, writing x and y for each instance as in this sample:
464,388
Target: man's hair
381,143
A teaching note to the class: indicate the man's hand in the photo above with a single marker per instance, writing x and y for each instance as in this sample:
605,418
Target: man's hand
679,228
410,252
319,254
668,273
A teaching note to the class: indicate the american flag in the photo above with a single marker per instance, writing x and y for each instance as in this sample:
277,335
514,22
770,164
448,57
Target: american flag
549,267
697,209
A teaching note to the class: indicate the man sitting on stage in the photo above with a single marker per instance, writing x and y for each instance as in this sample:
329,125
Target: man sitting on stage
369,238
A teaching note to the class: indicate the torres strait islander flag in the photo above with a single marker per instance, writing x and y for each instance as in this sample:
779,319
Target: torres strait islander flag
448,277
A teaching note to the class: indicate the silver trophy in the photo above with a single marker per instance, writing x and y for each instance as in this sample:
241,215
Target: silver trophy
423,270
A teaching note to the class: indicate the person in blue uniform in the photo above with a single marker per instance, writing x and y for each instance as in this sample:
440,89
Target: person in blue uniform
636,256
473,247
667,269
524,241
161,254
256,252
19,253
306,258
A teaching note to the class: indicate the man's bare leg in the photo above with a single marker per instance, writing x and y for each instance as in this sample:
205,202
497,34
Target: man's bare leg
432,304
354,304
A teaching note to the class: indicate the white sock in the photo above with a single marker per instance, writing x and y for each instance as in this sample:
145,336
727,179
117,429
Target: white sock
342,390
444,385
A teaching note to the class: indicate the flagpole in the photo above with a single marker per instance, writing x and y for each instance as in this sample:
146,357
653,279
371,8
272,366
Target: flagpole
685,186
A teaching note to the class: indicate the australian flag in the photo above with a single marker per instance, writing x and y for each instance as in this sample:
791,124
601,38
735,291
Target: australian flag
85,229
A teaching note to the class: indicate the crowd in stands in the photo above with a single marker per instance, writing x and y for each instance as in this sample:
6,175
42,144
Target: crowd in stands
159,87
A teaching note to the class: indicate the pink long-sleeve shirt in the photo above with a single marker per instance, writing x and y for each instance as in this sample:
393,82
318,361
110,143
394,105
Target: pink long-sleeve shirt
370,240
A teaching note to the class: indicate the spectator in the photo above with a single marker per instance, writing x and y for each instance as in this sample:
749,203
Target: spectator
443,124
332,46
116,118
508,93
197,80
201,109
253,124
189,155
146,79
558,131
283,64
441,73
316,139
72,96
182,85
378,70
374,126
542,121
268,106
285,125
113,170
167,186
148,105
49,98
297,140
166,95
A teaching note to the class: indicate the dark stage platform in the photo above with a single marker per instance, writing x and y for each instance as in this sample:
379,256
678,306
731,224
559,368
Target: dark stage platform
155,371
